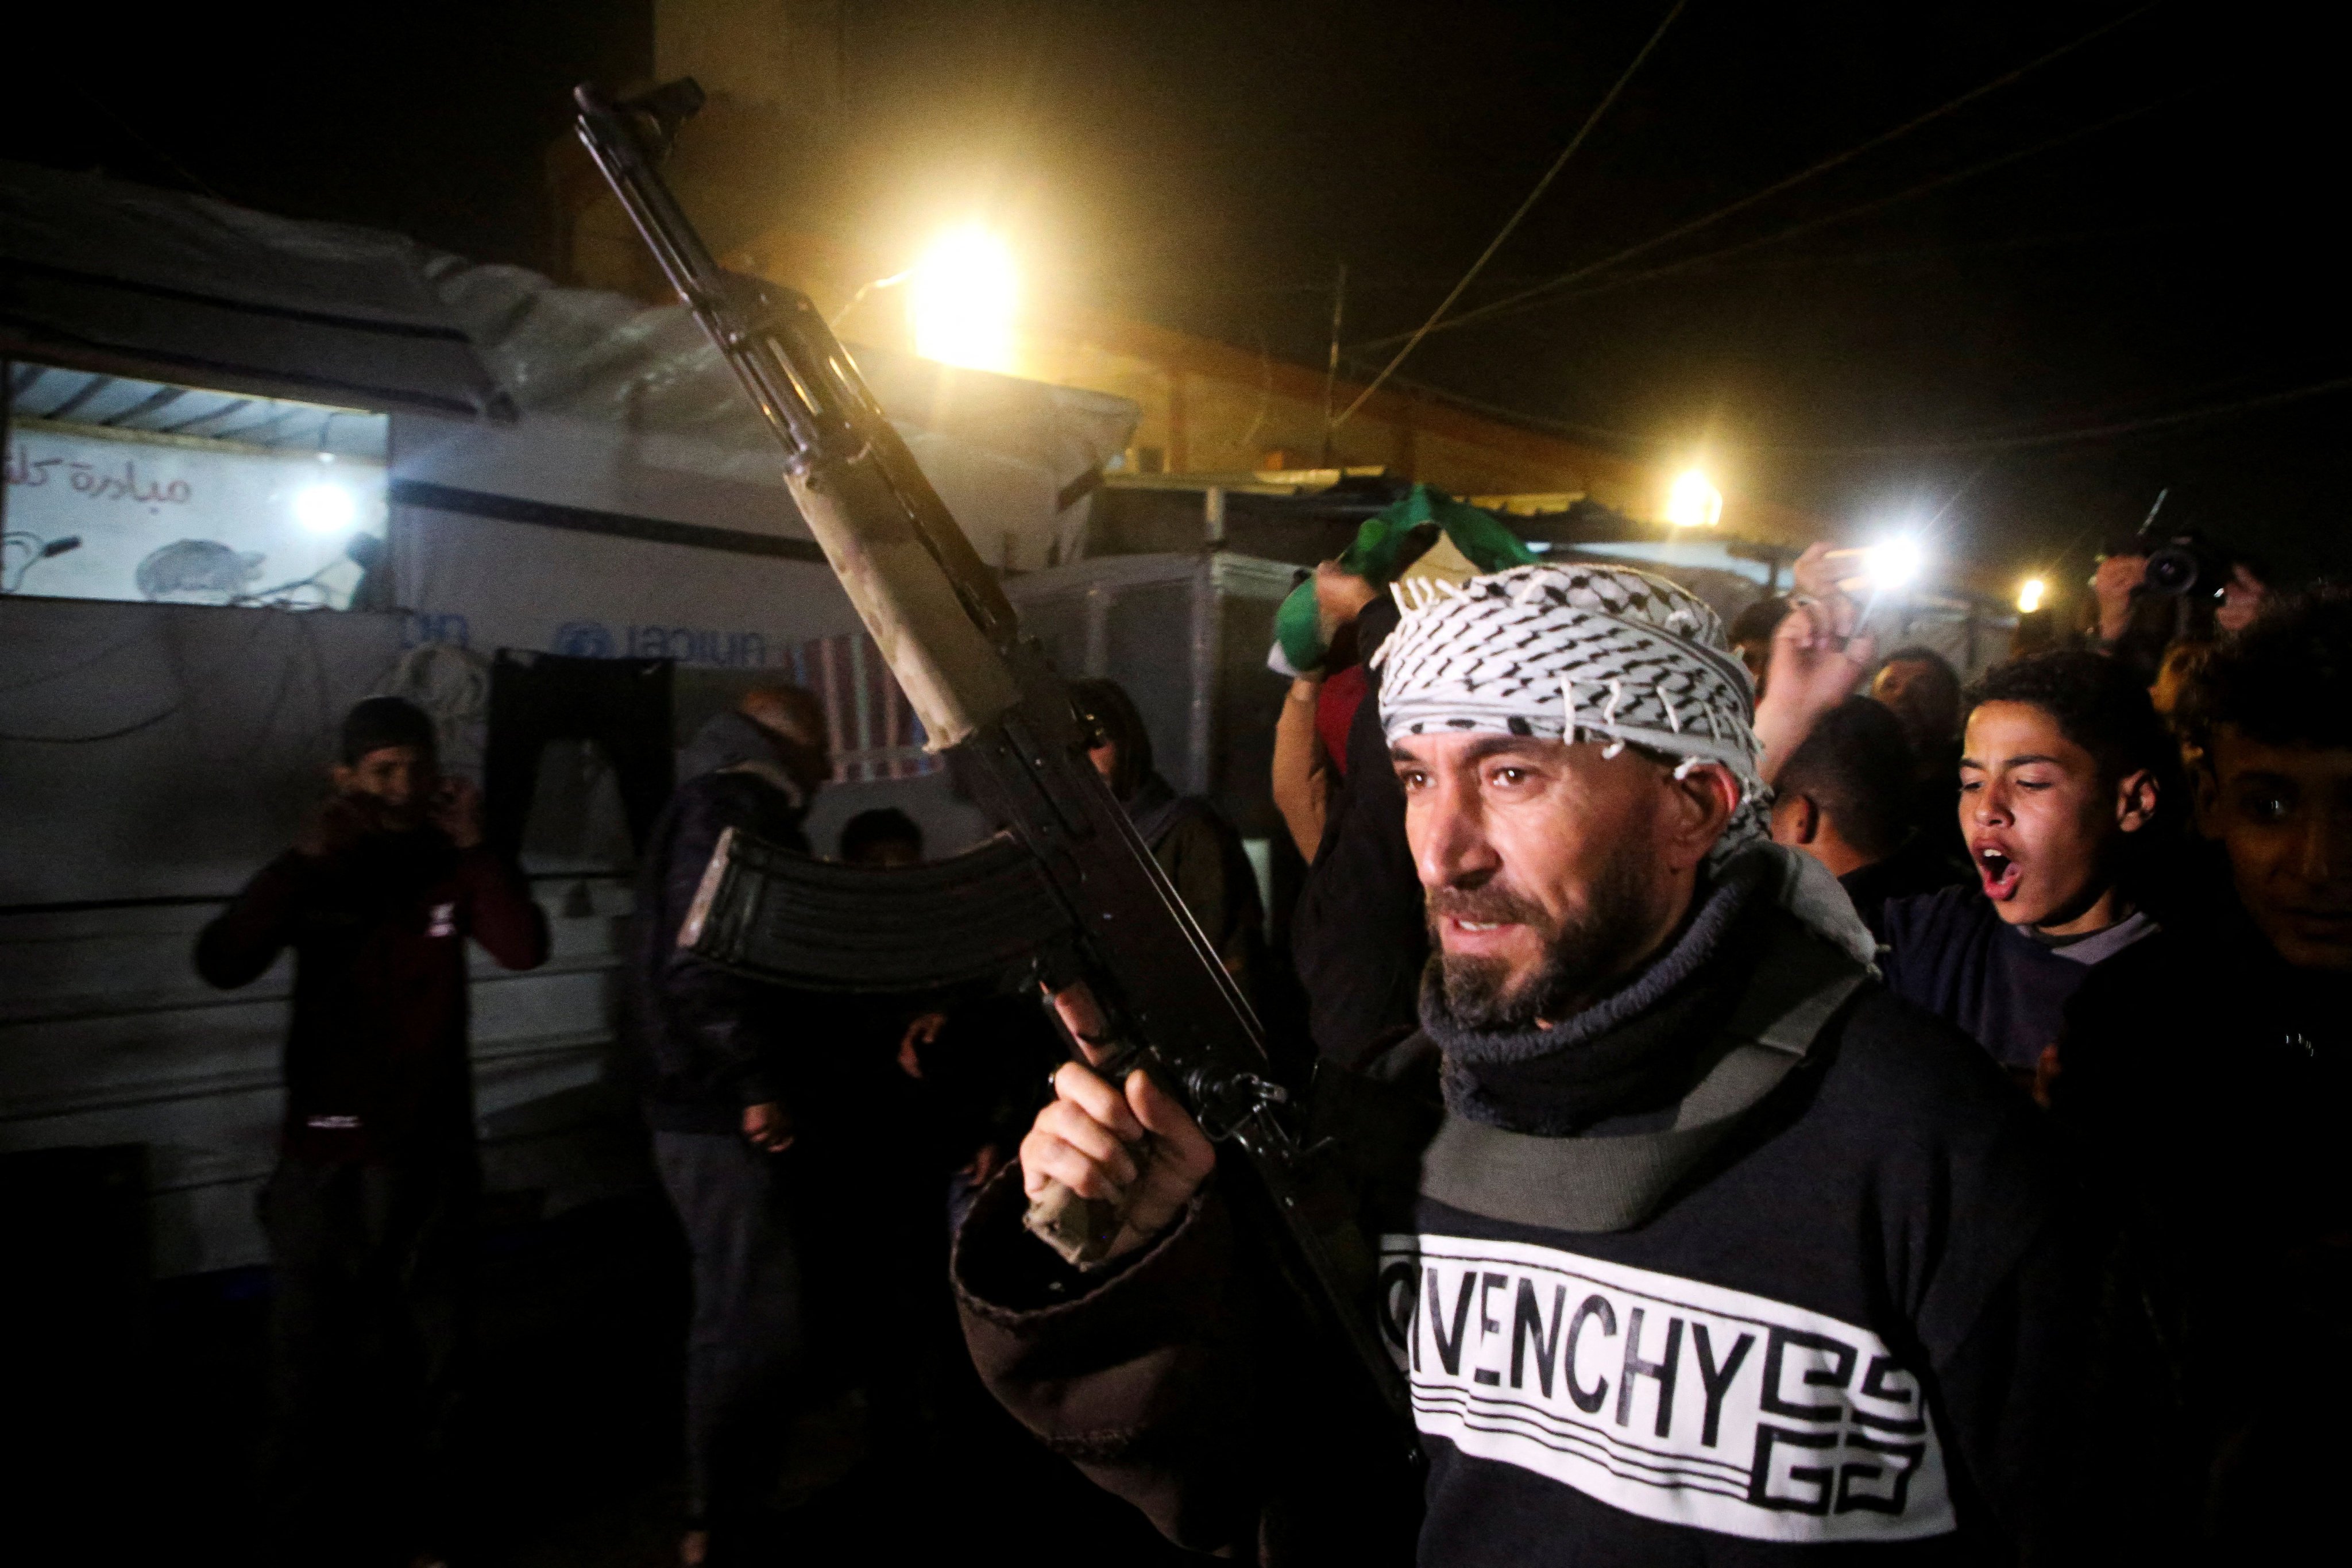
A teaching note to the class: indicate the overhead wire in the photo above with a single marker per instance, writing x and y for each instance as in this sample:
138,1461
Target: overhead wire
2086,432
1578,274
1510,226
1196,288
1824,220
145,145
1964,445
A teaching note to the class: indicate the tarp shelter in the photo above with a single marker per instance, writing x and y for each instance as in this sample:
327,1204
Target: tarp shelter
559,470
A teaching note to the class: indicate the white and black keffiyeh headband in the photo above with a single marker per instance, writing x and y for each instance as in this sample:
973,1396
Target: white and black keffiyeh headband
1576,653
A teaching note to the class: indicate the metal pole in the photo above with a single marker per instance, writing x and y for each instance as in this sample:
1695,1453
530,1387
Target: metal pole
1331,365
1202,713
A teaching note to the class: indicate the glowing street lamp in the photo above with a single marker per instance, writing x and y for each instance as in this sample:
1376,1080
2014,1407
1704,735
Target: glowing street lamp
1692,502
2029,596
961,300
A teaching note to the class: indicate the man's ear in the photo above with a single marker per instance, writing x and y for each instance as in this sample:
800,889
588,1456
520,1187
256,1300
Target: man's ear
2135,800
1699,806
343,777
1795,820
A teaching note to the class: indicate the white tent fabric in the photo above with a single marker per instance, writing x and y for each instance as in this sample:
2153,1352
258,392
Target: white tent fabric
627,415
595,366
163,283
594,401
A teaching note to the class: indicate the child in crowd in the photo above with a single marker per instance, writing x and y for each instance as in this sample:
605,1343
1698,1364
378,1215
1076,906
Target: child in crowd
1846,799
2061,776
2206,1083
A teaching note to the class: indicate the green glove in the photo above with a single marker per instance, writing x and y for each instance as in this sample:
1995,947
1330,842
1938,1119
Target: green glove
1375,556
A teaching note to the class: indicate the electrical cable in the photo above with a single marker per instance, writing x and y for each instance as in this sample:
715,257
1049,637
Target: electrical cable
1807,225
1504,232
2135,234
1587,270
2017,442
147,723
95,102
2086,432
98,657
193,689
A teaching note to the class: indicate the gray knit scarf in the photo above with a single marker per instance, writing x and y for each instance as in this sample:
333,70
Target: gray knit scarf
1635,1049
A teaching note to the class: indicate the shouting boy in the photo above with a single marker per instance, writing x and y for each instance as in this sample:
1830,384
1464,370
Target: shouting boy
2060,778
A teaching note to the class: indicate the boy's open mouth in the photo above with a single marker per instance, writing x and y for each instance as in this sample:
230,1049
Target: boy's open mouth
2000,873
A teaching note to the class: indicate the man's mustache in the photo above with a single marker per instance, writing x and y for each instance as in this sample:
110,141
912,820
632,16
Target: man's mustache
1489,905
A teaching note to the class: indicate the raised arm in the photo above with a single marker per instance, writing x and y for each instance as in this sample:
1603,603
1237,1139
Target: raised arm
1135,1370
244,938
1819,656
1302,773
505,919
500,913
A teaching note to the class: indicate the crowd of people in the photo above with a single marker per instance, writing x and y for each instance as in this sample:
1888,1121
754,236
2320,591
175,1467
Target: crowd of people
2062,956
1799,1098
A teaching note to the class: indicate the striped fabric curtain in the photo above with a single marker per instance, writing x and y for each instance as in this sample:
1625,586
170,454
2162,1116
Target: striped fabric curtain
874,734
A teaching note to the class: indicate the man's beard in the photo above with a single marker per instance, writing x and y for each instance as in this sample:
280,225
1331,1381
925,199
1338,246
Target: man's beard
1579,957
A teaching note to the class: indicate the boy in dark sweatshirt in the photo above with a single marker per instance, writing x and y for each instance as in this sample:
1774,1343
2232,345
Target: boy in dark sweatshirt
370,1212
2062,773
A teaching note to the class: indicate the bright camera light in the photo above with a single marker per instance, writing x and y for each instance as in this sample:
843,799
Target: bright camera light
1692,502
2029,596
961,300
325,509
1895,563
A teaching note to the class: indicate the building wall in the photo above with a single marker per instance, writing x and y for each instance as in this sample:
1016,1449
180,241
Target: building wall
1211,408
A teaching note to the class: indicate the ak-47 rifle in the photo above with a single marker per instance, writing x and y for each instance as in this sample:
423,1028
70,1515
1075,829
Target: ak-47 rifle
953,639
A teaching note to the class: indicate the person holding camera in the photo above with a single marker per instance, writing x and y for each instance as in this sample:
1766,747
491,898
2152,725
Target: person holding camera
370,1213
2154,592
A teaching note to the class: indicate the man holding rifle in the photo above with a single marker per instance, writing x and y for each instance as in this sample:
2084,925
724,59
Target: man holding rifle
1716,1250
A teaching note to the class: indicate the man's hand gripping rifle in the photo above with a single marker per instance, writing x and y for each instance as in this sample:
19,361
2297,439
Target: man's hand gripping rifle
953,641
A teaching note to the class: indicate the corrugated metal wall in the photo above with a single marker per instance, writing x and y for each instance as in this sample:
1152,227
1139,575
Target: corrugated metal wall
108,1036
153,757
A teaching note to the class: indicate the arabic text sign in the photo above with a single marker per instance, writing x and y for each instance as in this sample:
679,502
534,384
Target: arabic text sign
181,522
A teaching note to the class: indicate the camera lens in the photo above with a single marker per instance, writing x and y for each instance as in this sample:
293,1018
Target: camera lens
2172,570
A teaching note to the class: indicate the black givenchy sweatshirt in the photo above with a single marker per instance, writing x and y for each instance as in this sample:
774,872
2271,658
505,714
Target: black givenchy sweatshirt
1848,1331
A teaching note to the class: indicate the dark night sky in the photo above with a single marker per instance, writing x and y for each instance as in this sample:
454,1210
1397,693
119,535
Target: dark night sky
1206,165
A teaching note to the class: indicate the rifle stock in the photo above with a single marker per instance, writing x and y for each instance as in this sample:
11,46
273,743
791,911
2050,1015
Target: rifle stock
953,641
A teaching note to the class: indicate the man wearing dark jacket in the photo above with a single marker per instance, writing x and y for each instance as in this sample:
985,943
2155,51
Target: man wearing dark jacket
720,1083
2205,1084
370,1213
1196,846
1707,1249
1357,935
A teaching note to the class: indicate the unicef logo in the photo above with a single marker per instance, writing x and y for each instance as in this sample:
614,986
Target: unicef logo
584,639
